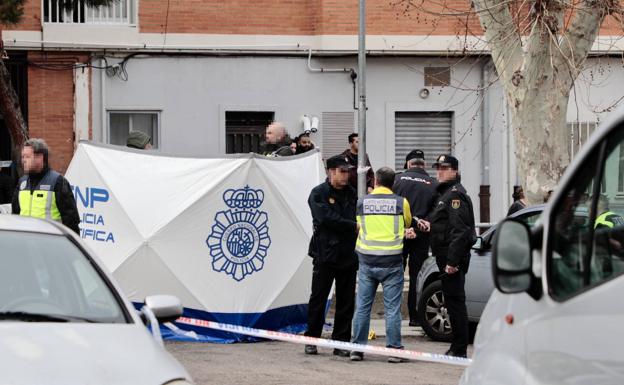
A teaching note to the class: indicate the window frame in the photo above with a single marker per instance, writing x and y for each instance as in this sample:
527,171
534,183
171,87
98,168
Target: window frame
157,129
598,149
132,16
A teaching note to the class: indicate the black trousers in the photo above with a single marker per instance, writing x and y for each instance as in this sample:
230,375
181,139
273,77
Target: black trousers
455,299
322,278
415,251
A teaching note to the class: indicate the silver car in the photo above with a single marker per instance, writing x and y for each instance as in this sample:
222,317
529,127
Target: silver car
63,320
432,312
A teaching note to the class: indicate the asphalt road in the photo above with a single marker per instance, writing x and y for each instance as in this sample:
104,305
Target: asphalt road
284,363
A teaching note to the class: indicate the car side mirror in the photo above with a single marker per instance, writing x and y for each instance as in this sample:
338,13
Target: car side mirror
511,257
478,245
166,308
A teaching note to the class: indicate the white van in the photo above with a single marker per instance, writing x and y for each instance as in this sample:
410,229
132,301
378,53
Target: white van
557,316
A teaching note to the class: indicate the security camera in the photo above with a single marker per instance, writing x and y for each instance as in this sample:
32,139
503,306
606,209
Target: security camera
305,119
314,124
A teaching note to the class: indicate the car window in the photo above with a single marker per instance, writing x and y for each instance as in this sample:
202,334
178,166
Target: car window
529,218
48,274
588,224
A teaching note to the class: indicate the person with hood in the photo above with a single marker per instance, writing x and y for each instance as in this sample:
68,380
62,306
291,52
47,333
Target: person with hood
277,142
42,192
139,140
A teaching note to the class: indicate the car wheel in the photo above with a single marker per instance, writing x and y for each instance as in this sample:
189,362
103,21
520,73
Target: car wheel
432,313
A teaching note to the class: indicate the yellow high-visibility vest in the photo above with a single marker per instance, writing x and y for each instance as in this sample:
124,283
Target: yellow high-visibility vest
382,226
602,220
41,202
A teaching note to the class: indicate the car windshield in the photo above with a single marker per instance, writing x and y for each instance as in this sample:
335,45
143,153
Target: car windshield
48,278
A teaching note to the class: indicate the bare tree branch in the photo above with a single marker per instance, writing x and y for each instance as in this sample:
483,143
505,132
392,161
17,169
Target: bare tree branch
578,38
496,21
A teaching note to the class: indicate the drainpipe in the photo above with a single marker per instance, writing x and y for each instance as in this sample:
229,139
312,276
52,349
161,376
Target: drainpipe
484,189
507,159
102,101
325,69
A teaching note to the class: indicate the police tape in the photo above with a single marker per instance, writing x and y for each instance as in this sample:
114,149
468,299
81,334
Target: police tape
325,343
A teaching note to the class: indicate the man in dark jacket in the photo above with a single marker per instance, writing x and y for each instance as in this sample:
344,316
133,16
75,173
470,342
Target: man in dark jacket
351,156
43,192
332,248
419,189
452,236
277,142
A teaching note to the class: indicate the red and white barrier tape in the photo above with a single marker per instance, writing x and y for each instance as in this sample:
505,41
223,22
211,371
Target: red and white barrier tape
321,342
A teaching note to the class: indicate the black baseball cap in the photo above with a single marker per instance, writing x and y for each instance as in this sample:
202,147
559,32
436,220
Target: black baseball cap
337,161
446,160
414,154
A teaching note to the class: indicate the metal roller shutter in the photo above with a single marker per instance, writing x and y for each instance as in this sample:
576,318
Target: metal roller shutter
336,128
426,131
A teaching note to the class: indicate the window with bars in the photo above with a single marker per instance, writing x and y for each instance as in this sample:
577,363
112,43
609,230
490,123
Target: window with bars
244,130
120,12
579,133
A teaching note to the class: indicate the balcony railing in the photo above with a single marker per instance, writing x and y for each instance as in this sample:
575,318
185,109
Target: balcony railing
120,12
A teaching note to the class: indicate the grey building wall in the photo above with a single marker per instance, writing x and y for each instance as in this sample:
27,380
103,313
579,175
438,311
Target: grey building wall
192,95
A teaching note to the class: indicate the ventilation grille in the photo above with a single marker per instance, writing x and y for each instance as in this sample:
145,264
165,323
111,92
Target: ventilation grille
336,128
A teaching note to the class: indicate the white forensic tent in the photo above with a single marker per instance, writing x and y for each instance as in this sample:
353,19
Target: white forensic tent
228,236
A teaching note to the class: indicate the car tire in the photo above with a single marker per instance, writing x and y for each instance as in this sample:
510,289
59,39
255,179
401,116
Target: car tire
433,314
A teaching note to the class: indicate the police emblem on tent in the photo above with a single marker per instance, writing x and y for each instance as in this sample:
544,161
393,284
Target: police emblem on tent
240,240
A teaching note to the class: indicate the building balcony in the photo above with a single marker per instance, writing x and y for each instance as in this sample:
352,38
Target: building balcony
119,13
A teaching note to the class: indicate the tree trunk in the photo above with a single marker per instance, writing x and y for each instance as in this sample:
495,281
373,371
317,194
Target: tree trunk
539,127
10,109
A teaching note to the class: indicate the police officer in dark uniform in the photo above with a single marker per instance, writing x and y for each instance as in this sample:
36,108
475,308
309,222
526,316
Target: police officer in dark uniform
452,236
419,189
332,247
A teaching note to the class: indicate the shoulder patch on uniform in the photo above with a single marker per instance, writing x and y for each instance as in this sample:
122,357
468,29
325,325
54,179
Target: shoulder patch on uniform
455,203
454,188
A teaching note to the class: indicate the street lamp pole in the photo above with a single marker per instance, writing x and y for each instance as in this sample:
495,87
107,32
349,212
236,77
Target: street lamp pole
361,170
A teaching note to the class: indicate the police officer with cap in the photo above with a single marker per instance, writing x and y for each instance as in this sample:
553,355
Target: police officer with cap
419,189
332,247
452,236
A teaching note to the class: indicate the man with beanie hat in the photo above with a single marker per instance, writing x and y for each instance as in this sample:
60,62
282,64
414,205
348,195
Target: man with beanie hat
139,139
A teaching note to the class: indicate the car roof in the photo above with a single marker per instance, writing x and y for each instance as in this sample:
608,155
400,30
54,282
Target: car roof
535,208
19,223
